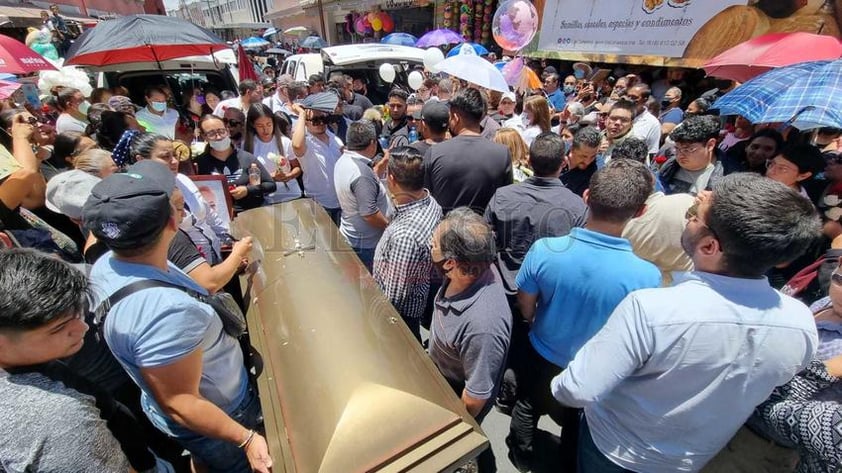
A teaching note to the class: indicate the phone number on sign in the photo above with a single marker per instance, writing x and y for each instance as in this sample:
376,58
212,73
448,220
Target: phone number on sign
662,42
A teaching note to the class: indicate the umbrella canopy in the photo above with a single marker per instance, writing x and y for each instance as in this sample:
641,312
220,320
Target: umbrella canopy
269,32
7,88
296,30
244,65
278,51
142,38
313,42
478,48
439,37
763,53
322,102
806,95
468,66
401,39
16,58
254,42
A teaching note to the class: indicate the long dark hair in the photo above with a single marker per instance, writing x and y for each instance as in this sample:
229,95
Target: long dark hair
112,125
255,112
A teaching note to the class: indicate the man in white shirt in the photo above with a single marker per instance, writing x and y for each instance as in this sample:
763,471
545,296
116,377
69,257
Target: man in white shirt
250,92
156,117
676,371
280,101
317,150
645,126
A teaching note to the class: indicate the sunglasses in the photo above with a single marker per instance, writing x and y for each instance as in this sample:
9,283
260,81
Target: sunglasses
836,277
232,122
319,121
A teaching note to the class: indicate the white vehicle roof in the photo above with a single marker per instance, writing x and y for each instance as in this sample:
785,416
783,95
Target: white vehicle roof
372,52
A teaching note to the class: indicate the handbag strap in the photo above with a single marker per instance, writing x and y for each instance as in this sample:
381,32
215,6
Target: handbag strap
125,291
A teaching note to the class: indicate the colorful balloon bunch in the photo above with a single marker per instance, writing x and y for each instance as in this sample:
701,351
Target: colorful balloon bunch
367,23
449,7
466,19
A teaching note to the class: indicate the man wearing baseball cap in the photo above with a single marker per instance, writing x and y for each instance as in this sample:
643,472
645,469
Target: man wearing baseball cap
433,118
506,107
194,383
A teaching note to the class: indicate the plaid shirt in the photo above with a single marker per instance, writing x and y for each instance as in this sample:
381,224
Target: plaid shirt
402,261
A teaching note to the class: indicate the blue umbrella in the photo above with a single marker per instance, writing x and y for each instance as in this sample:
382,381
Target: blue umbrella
401,39
480,49
806,95
499,65
254,42
313,42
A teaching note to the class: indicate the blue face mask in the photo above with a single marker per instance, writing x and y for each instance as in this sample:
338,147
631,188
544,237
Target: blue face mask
159,106
200,99
569,89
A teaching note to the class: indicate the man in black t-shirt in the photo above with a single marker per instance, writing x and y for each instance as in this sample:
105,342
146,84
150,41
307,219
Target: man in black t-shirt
432,125
397,128
467,169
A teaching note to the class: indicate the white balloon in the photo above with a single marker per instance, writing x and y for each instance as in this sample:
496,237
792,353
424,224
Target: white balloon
432,57
415,79
387,72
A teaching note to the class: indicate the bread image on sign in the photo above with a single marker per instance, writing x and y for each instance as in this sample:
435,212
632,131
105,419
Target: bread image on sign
679,3
649,6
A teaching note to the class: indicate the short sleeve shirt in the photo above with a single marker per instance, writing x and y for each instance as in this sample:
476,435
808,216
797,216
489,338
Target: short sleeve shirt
317,167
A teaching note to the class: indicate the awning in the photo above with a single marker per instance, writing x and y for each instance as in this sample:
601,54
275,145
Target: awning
22,17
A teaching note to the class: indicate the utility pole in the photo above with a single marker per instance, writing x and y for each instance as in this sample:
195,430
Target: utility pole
322,19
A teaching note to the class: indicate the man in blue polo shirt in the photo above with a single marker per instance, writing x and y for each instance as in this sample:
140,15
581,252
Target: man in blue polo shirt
567,288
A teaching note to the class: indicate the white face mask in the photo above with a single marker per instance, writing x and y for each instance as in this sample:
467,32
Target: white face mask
158,106
222,144
84,107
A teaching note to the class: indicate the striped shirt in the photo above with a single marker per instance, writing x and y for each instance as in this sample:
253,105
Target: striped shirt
402,261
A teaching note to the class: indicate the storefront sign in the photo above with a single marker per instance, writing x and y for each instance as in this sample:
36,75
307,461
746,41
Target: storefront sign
398,4
678,31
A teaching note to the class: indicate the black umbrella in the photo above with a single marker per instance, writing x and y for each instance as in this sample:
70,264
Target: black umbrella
142,38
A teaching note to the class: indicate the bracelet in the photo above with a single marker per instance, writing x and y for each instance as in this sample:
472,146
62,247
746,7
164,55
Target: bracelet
247,440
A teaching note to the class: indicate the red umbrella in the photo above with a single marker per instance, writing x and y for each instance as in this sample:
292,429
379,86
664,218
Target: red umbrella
16,58
763,53
244,65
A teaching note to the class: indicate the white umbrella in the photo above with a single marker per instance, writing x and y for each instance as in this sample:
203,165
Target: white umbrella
468,66
296,30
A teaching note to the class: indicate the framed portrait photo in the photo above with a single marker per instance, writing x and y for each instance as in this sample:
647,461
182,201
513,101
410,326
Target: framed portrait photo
215,191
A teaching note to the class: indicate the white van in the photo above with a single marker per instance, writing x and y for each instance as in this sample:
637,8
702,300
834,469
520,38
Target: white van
302,66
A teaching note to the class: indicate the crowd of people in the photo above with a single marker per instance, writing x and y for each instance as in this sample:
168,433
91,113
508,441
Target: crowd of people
638,268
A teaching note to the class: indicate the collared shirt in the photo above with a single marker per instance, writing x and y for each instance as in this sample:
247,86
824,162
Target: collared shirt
521,213
647,127
360,195
557,100
579,279
402,262
317,166
277,105
470,334
676,371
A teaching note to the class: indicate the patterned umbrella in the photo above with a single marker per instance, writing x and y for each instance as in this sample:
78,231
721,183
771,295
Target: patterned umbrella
806,95
480,49
313,42
439,37
401,39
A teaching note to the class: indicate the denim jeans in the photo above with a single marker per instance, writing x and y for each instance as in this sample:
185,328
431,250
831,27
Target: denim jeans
366,256
591,460
217,455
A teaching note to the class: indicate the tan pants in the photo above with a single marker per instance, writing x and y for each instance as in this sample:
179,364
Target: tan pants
747,452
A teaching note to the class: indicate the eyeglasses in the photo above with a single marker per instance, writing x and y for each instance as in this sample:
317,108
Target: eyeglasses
232,122
218,133
771,164
692,215
685,150
836,277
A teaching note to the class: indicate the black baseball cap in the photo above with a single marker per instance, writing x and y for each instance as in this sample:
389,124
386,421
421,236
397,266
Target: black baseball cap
435,114
129,210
